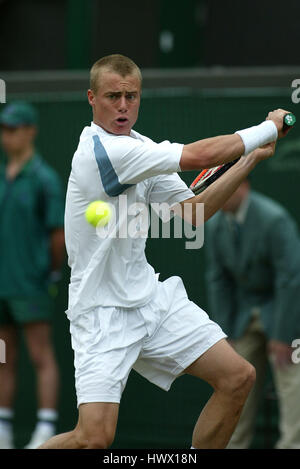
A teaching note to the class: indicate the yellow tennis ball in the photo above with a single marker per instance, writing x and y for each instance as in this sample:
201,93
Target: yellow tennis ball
98,213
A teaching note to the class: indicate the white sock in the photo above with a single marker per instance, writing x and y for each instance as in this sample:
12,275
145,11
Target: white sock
46,420
49,415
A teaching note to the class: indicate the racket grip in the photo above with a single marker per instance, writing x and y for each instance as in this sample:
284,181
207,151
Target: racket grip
288,121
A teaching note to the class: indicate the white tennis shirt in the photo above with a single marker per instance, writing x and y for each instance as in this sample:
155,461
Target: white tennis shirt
113,270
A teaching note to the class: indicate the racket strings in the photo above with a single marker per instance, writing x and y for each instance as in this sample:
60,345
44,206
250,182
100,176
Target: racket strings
205,174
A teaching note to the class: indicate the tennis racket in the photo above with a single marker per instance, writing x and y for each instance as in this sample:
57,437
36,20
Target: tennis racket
207,176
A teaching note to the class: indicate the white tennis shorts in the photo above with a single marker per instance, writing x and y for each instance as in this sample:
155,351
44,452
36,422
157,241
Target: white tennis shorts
158,340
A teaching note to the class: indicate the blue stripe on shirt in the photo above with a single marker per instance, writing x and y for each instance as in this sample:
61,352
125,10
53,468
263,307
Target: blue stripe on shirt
109,178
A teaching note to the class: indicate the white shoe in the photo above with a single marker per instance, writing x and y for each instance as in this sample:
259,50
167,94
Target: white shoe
6,441
39,437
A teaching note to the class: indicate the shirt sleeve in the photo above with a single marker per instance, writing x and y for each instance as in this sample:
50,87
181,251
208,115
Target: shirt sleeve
165,192
53,201
134,160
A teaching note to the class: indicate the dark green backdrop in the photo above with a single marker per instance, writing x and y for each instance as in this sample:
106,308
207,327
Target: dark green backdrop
149,417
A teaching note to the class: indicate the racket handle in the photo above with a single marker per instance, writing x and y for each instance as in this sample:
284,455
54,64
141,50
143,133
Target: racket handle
289,120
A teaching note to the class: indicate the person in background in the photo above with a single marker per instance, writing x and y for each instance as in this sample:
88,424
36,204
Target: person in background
32,252
253,285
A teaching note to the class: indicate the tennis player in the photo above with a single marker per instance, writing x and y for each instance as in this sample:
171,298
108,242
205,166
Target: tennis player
121,316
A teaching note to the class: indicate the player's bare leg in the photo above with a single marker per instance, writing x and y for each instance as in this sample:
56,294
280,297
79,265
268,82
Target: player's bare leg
232,378
95,429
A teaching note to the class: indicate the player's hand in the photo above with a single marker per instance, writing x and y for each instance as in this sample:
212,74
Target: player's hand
264,152
280,352
277,117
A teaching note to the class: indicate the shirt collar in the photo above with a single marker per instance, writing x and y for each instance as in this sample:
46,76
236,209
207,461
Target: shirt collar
100,129
241,212
240,215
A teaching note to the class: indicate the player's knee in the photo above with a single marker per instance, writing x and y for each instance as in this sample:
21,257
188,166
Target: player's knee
238,384
242,381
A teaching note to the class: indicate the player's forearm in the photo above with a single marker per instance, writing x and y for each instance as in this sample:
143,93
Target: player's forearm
211,152
215,196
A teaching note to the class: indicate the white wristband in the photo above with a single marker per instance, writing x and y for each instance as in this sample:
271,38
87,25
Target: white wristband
258,135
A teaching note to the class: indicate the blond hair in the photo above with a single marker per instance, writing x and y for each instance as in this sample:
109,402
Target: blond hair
114,63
